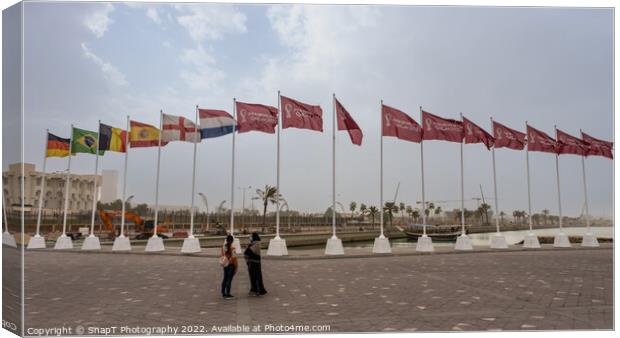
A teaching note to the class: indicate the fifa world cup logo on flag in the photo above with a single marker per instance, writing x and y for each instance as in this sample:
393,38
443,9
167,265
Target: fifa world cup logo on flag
242,113
429,123
288,108
469,131
532,138
499,135
388,117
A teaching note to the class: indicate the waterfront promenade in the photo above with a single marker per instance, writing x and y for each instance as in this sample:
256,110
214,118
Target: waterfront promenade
546,289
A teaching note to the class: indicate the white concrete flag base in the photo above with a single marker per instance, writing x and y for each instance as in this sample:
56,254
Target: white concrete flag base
91,243
424,244
382,245
191,245
63,242
334,246
8,239
531,241
121,243
589,240
155,244
36,242
236,244
277,247
498,241
463,243
561,241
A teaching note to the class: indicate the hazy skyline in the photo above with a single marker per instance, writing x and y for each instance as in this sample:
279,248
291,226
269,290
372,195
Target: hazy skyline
91,61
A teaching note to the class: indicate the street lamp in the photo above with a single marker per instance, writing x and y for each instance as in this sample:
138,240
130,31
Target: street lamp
204,199
127,201
244,189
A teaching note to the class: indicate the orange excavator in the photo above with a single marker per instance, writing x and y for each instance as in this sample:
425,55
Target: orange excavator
144,229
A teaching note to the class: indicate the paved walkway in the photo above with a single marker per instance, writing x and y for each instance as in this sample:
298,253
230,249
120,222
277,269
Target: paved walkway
550,289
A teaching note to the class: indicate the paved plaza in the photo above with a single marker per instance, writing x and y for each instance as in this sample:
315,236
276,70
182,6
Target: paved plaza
549,289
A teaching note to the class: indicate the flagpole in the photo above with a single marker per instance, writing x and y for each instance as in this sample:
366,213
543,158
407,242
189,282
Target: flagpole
47,131
462,190
529,193
92,216
127,145
232,181
156,220
334,167
557,173
422,172
585,190
191,214
495,186
278,171
381,169
67,182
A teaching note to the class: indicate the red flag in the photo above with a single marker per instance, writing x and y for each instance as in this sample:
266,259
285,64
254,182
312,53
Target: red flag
400,125
568,144
438,128
256,117
598,147
539,141
301,115
346,122
475,134
508,137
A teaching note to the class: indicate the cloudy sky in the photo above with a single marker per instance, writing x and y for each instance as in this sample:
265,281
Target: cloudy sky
91,61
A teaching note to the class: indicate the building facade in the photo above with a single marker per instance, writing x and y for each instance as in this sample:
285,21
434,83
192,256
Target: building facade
109,186
80,192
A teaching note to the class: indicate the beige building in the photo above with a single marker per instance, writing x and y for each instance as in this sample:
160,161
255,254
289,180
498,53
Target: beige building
80,193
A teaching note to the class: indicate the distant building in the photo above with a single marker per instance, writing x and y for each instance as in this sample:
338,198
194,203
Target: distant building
109,186
80,192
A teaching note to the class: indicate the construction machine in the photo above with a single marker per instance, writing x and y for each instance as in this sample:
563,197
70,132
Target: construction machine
143,229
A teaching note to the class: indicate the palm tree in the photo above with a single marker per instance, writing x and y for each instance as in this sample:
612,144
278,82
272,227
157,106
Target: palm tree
372,211
409,210
401,207
516,214
390,208
363,209
501,217
270,194
545,215
352,207
416,215
484,208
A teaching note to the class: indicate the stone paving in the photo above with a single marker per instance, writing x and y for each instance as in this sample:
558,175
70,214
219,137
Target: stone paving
551,289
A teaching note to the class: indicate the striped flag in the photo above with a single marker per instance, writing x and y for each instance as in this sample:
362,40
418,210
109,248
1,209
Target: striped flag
57,146
178,128
215,123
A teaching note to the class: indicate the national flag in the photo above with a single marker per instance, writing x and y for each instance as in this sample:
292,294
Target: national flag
178,128
215,123
439,128
57,146
256,117
507,137
84,141
143,135
475,134
346,122
112,139
539,141
400,125
598,147
569,144
301,115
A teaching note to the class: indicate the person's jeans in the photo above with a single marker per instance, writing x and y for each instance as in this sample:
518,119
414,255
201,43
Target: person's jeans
229,272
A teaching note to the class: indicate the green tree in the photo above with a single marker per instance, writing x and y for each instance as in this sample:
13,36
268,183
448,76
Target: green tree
269,195
372,211
389,209
352,208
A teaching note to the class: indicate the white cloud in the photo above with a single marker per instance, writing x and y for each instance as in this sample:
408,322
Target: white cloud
152,14
111,73
203,74
210,21
97,22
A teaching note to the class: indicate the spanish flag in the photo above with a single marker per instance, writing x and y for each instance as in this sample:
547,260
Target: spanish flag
144,135
57,146
112,139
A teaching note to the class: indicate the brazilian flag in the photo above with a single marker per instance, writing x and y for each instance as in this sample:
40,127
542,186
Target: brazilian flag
84,141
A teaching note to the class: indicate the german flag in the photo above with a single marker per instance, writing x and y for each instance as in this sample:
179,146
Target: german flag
144,135
57,146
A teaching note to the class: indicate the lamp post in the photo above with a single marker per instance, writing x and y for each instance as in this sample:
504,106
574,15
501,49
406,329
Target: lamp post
244,189
206,202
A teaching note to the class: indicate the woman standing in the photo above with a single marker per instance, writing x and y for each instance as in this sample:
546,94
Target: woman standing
229,263
252,257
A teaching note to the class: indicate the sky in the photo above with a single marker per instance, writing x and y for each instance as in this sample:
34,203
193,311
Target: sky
86,62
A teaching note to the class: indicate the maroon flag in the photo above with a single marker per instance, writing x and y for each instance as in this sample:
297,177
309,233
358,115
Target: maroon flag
475,134
398,124
301,115
346,122
508,137
438,128
256,117
598,147
539,141
568,144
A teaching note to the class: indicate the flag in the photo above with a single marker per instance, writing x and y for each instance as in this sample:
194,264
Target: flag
215,123
57,146
84,141
346,122
301,115
112,139
475,134
438,128
400,125
540,141
178,128
598,147
144,135
256,117
507,137
568,144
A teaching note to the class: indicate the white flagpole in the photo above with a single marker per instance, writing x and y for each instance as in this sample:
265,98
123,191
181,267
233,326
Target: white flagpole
381,168
47,133
191,214
92,216
495,187
334,167
557,173
127,145
232,180
462,189
278,170
422,172
155,222
585,191
67,183
529,193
